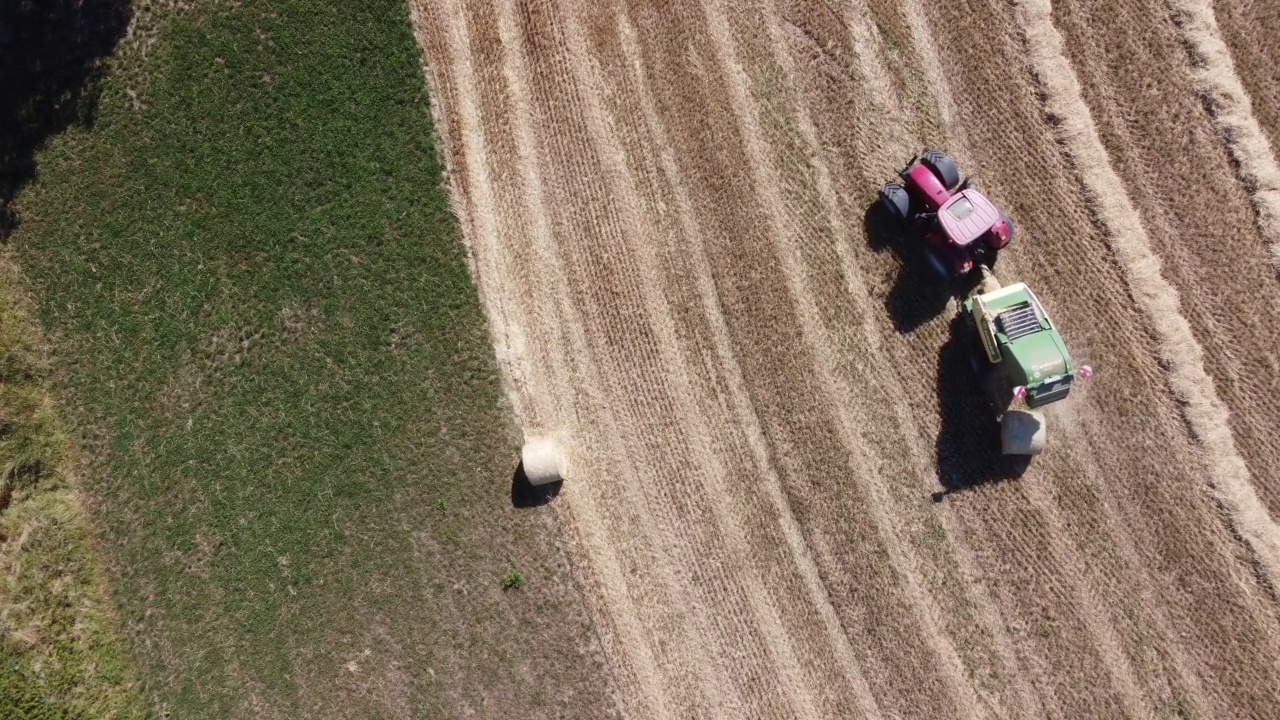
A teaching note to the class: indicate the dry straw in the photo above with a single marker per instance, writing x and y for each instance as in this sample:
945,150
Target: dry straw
1204,411
1217,81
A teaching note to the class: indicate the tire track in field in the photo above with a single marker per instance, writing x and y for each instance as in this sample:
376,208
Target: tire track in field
1199,216
688,639
1109,640
887,150
790,677
766,180
1131,640
742,409
1232,113
774,356
1207,417
711,553
634,672
1101,629
1134,570
938,97
696,662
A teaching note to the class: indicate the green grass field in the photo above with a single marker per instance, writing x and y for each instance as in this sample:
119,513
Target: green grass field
295,449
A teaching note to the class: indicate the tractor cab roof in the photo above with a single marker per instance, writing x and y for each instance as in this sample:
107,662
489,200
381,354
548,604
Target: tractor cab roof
967,216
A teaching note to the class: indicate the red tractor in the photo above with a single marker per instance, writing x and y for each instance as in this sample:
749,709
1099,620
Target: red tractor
962,228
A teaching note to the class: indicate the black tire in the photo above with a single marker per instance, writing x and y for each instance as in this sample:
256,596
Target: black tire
895,201
973,346
984,255
983,371
990,259
977,359
943,167
937,264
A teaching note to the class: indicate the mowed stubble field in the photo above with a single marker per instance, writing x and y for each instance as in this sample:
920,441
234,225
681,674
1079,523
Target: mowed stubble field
784,500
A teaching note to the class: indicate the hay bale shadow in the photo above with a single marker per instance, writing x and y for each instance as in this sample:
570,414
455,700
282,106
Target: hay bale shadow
525,494
51,65
967,450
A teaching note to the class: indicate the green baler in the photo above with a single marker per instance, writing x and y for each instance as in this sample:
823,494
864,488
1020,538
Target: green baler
1020,359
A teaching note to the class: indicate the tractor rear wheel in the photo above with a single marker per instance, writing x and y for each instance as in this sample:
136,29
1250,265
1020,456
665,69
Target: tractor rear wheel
943,167
937,263
895,201
1022,432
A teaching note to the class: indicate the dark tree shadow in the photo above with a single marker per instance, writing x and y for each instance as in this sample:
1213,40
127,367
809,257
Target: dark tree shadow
525,494
52,56
968,445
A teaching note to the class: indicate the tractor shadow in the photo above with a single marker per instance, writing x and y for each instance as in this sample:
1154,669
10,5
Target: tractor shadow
968,445
918,294
525,494
52,56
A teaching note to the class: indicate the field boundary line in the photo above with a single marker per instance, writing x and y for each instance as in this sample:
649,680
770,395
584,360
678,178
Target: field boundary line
474,164
1231,110
616,443
1183,357
603,567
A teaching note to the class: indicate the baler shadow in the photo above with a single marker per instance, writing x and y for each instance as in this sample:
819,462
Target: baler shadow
52,53
525,494
968,445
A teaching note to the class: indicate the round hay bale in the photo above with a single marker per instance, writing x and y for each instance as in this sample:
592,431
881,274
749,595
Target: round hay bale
1022,432
543,461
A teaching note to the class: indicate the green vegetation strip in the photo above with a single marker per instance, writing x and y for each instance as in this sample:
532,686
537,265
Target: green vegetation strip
60,656
296,452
